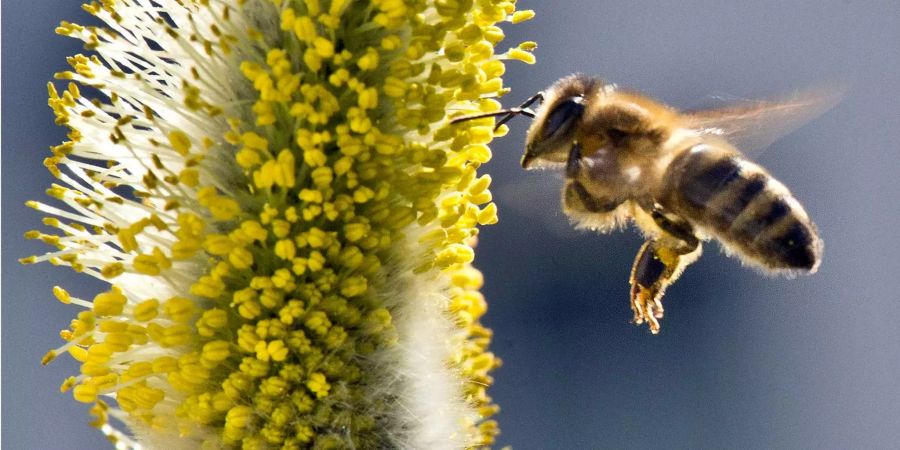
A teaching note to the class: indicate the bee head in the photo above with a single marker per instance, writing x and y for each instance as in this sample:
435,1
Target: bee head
552,134
553,131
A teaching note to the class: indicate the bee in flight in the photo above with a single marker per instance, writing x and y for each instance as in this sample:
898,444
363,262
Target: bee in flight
676,175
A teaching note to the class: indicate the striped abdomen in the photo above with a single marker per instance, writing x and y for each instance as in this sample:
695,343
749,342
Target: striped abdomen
740,204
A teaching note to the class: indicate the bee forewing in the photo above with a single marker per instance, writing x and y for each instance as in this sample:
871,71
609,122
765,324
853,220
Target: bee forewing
536,195
752,126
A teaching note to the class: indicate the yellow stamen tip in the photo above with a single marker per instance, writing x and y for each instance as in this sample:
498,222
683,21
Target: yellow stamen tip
48,357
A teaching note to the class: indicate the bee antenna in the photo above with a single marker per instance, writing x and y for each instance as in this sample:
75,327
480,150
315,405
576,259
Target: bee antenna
507,114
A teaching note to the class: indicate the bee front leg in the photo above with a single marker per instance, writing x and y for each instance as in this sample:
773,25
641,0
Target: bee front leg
658,264
576,197
573,162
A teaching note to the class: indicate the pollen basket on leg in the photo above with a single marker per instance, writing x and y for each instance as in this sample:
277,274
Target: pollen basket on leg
285,217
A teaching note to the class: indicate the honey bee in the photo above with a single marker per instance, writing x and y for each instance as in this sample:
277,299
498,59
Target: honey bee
676,175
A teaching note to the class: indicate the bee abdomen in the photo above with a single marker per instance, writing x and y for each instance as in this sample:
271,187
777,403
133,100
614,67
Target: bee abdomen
777,230
745,208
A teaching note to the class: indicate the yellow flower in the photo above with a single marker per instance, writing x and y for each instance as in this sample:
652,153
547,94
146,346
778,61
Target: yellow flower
285,217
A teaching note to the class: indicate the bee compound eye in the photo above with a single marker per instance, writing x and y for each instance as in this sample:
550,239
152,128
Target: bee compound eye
562,115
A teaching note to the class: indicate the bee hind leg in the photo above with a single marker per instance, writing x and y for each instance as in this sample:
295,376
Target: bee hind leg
660,262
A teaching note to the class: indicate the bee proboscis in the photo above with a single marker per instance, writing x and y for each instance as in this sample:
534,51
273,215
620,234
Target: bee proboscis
677,175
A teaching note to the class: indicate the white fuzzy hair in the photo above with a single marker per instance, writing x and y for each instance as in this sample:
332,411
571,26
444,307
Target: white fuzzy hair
429,410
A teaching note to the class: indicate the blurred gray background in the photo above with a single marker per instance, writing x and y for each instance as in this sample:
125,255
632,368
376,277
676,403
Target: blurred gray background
743,361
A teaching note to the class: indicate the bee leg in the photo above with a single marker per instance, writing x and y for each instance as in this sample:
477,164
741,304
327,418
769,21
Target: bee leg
675,226
573,163
577,199
658,264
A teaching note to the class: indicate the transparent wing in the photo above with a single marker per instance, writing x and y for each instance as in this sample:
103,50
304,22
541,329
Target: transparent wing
536,195
754,125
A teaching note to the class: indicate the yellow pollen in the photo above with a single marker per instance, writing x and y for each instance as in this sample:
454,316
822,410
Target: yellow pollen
272,188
